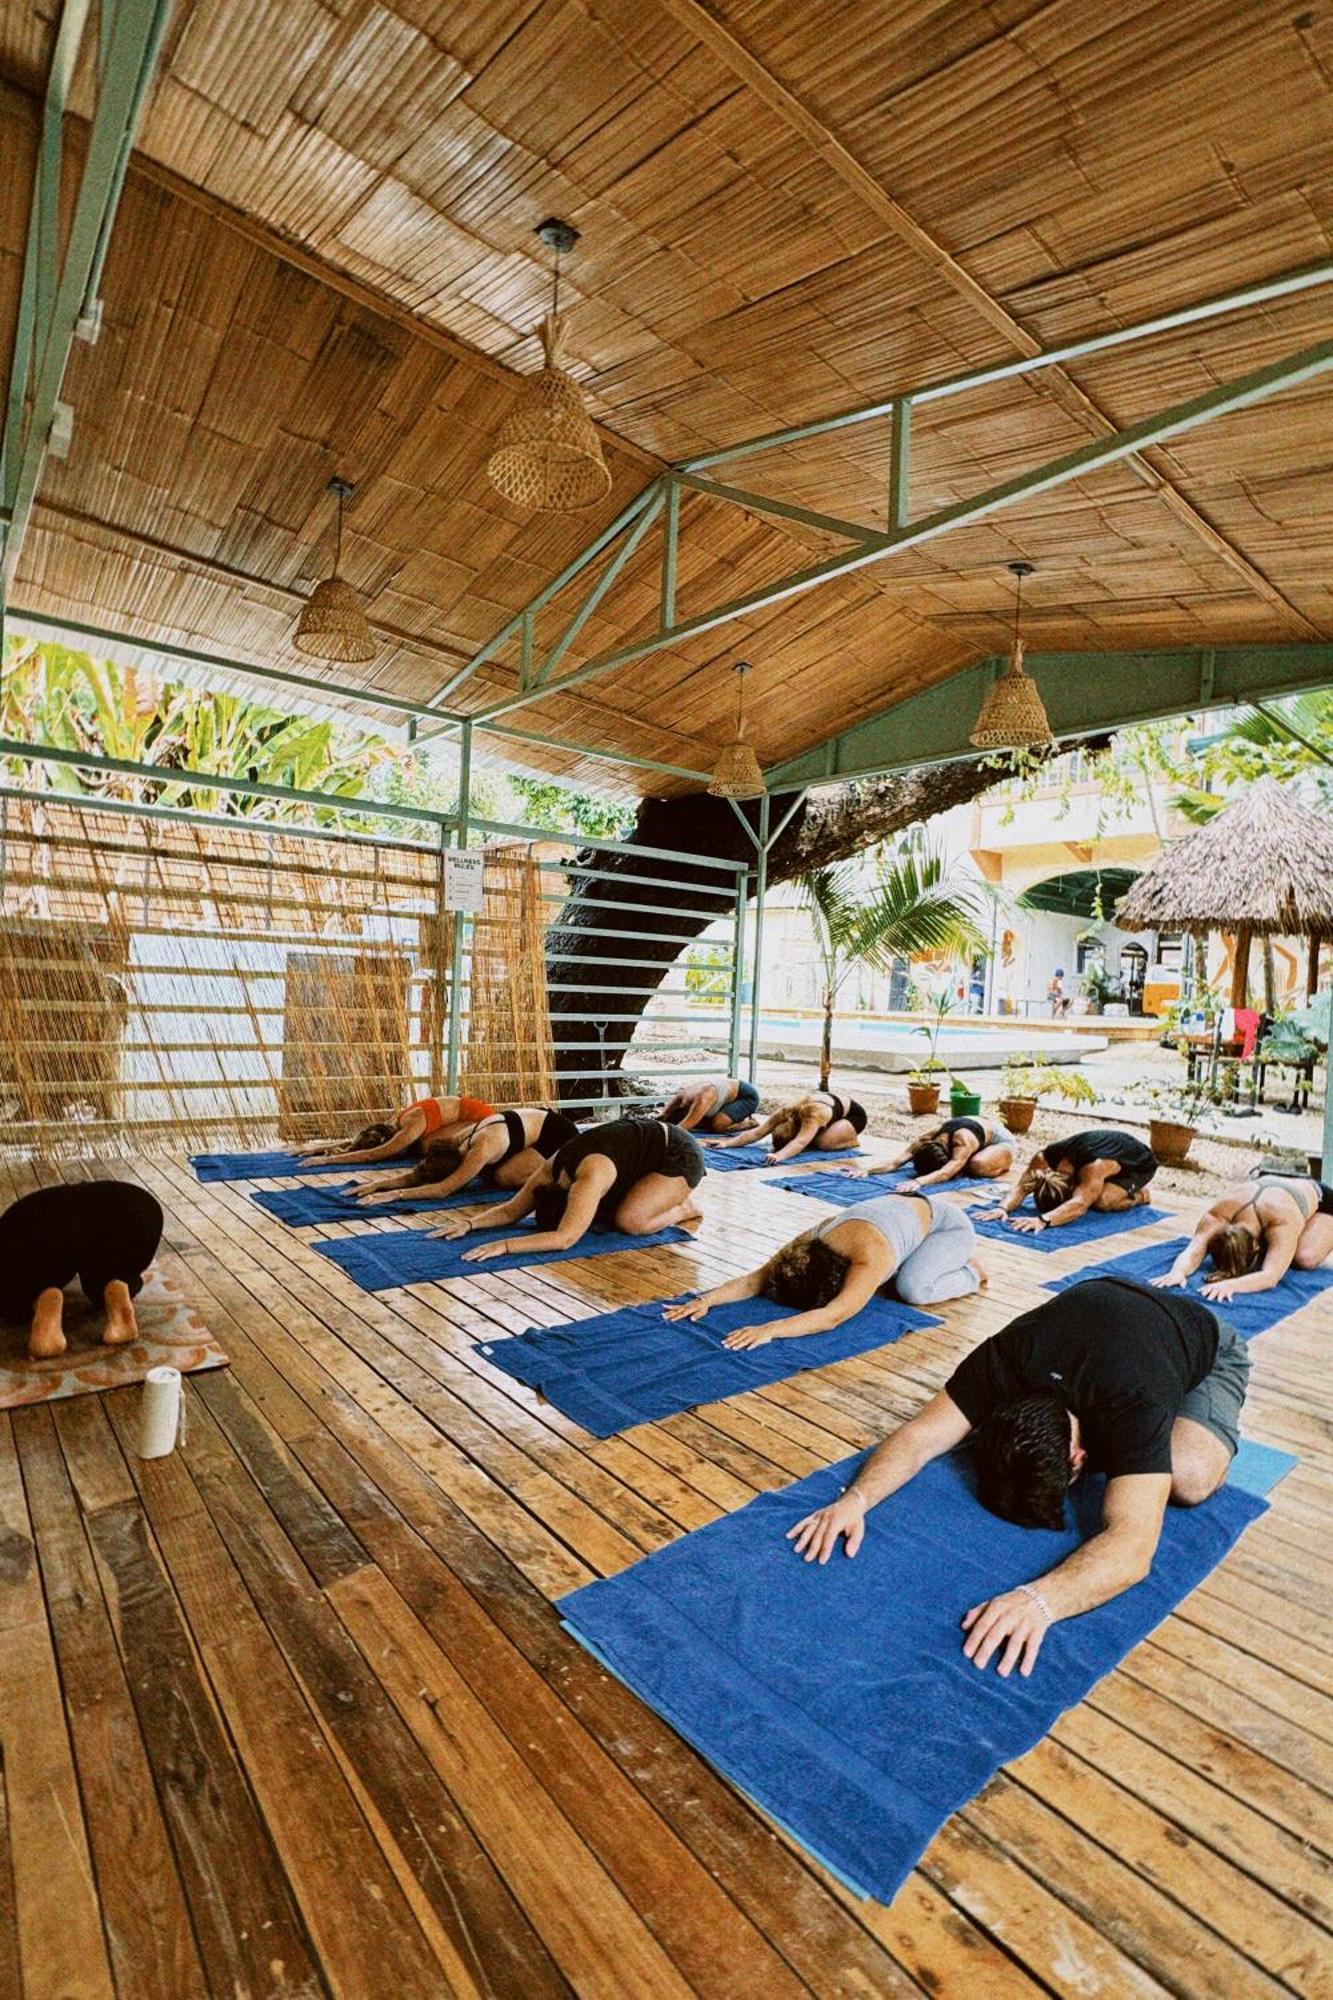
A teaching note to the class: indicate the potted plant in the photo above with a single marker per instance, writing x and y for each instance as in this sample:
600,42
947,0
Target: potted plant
1023,1084
923,1087
964,1102
1020,1088
1173,1117
925,1081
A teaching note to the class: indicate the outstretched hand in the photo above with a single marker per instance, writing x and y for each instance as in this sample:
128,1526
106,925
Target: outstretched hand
1169,1278
1015,1622
1219,1290
749,1336
816,1537
686,1309
452,1227
1026,1225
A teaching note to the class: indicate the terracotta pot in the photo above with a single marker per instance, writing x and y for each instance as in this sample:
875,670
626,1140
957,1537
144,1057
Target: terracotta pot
1017,1113
1169,1141
923,1099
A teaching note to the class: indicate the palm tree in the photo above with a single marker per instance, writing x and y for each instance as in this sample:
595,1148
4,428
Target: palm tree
916,906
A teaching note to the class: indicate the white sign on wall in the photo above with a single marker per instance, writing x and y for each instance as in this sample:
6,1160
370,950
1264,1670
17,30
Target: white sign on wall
463,874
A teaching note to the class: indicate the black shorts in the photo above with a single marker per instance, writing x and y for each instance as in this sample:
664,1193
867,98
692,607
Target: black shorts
100,1232
684,1156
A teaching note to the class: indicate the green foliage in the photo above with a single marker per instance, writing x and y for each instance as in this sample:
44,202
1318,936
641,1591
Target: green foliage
1038,1078
708,973
53,695
914,908
550,805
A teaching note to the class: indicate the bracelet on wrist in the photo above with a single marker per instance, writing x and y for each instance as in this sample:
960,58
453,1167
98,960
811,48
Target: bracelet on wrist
1030,1590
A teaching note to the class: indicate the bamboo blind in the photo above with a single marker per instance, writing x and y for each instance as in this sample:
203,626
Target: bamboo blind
167,983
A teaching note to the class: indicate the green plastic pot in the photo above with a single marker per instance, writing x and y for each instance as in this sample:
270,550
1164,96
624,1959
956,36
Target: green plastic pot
964,1103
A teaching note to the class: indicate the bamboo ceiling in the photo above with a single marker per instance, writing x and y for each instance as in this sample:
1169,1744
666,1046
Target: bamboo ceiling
324,261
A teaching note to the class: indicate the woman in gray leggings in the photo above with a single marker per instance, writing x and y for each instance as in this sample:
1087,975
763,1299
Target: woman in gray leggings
928,1248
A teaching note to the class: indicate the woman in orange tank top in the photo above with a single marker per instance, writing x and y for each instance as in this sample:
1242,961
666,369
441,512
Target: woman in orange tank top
405,1132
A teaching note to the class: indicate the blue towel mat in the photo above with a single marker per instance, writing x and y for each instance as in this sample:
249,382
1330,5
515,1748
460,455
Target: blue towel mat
633,1366
734,1158
272,1166
302,1207
1250,1313
838,1698
1069,1234
844,1190
386,1258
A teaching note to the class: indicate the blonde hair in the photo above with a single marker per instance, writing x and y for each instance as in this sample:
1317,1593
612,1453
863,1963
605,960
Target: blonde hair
1234,1251
1049,1188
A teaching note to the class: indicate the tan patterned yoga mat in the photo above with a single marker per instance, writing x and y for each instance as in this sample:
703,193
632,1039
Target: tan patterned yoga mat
172,1335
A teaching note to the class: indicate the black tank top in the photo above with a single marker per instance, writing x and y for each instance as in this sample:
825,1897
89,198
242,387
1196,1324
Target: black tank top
972,1125
1085,1147
634,1146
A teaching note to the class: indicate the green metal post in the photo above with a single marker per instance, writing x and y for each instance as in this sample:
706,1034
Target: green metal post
757,962
460,919
1326,1159
900,449
1325,1163
737,977
670,543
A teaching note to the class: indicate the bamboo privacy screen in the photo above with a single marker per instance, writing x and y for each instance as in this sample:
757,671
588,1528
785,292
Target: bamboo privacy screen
165,982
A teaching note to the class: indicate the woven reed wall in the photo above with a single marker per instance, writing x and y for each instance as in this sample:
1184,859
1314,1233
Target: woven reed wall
165,984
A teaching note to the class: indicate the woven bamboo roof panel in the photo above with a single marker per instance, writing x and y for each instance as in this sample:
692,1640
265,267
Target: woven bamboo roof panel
325,261
1265,862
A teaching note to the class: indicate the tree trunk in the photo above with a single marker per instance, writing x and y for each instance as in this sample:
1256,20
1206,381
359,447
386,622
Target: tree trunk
1240,967
828,827
826,1044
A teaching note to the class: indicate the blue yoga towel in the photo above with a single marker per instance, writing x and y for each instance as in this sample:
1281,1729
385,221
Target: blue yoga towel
839,1697
270,1166
1086,1230
732,1161
1249,1312
632,1366
1258,1467
415,1257
303,1206
843,1190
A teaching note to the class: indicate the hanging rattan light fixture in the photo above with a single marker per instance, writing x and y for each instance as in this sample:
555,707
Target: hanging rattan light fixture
332,624
1013,716
548,454
737,774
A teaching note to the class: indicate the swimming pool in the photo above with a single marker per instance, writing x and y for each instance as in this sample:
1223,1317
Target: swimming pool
896,1045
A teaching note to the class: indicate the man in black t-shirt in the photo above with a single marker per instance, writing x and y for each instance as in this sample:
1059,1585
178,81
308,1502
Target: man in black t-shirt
1102,1169
1142,1385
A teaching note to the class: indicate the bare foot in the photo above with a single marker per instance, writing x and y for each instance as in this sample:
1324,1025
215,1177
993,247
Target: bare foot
691,1214
121,1324
983,1275
46,1337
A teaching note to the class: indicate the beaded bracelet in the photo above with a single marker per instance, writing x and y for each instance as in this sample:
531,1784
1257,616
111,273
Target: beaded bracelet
1030,1590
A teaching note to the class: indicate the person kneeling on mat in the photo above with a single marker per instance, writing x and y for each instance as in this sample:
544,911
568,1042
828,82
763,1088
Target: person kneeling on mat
1145,1386
508,1147
821,1121
972,1146
105,1233
633,1174
719,1103
1107,1171
406,1131
928,1249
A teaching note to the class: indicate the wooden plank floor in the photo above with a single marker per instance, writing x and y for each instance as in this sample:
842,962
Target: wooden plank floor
288,1713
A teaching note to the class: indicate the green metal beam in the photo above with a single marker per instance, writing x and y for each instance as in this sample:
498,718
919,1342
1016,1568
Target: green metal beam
628,545
1223,399
132,32
37,624
1084,693
785,510
1288,285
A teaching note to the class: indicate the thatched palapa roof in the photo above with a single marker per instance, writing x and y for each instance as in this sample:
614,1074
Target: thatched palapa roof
1264,864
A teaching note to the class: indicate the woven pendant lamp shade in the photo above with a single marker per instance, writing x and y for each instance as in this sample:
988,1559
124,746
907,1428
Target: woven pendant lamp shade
737,773
332,624
548,456
1013,716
